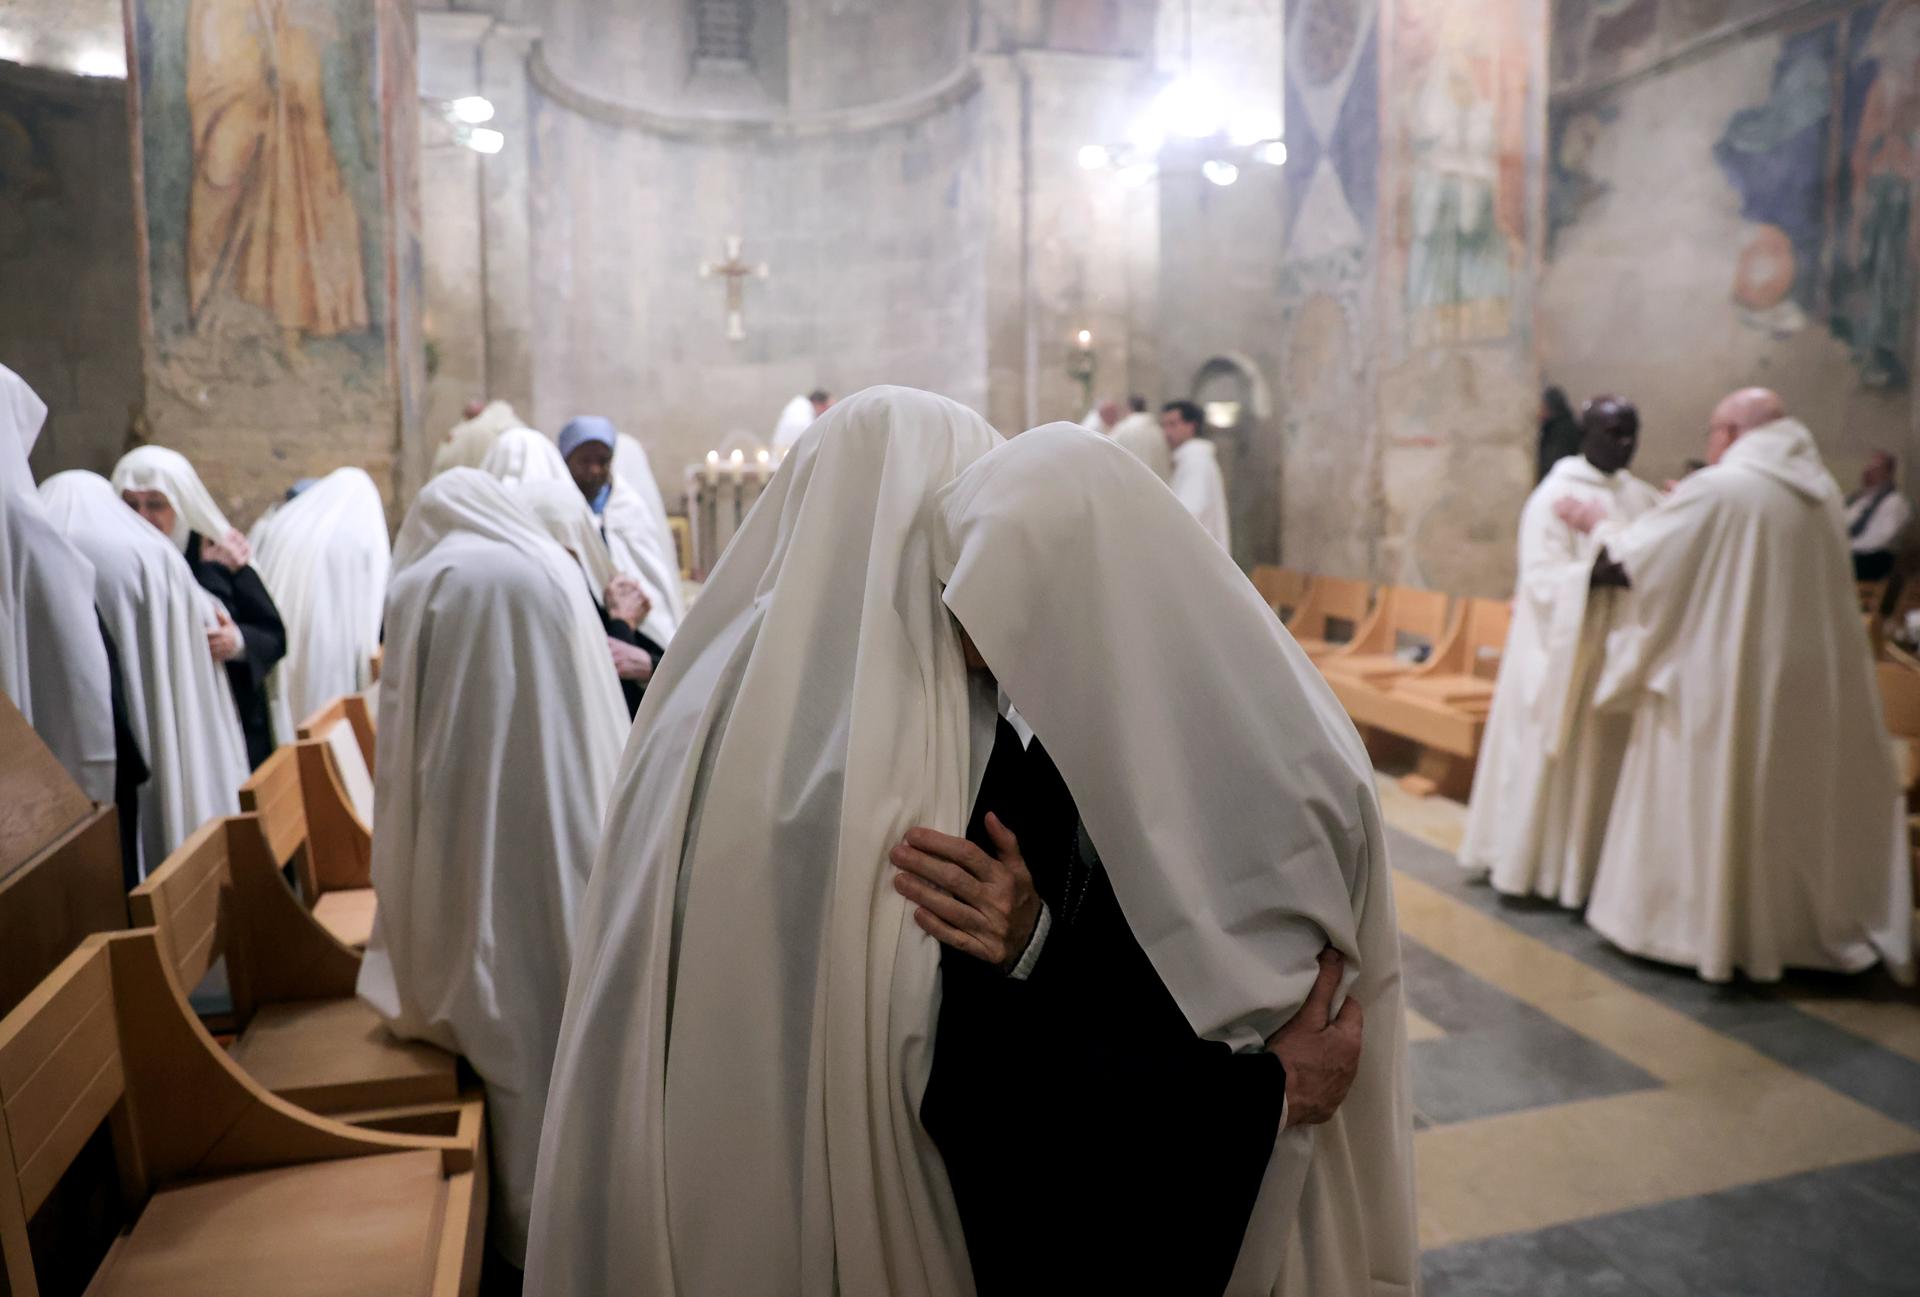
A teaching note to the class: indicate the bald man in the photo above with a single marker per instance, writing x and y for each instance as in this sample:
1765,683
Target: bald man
1877,518
1757,822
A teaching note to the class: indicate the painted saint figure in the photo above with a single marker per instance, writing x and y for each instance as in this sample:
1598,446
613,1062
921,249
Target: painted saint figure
1885,165
269,216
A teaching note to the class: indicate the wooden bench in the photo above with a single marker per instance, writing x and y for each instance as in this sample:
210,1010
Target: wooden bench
1442,704
309,821
1329,615
303,1033
1402,617
1283,588
345,725
60,871
225,1188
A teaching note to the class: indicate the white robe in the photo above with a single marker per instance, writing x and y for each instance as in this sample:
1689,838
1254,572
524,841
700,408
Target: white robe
1756,824
735,1100
501,723
521,455
1139,434
1548,764
1236,816
637,530
324,558
53,664
179,706
156,468
466,446
795,418
1197,482
562,511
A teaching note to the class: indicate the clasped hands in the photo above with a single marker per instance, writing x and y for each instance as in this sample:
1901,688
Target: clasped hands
985,905
231,551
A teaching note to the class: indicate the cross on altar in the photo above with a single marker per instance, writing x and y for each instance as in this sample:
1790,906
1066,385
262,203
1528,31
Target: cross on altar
735,272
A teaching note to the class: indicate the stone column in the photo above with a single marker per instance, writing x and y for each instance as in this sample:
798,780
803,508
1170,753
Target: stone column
277,208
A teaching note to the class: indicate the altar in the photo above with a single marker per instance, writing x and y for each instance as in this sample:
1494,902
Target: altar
719,494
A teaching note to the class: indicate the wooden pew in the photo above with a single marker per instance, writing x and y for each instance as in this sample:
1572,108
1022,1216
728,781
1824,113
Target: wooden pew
302,1032
1400,614
345,725
307,814
226,1189
1330,614
60,875
1282,587
1442,704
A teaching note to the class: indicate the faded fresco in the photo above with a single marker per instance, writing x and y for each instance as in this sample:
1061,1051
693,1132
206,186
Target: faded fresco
1873,278
1459,246
262,175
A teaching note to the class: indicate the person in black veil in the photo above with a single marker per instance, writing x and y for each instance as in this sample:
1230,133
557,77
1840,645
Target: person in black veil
1560,433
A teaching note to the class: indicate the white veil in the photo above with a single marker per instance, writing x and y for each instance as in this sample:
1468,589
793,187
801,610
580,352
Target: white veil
156,468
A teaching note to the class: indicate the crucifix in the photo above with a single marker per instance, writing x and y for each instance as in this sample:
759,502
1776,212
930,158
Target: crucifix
735,272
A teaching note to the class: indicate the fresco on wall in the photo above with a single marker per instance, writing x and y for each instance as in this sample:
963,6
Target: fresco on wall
259,126
1874,266
1333,130
1775,156
1572,186
1459,242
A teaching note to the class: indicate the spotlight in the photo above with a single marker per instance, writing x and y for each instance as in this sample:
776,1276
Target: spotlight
1221,173
472,109
483,139
1273,153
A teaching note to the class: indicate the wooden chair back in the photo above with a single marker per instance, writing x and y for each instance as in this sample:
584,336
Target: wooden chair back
185,901
307,815
345,726
1328,600
1483,636
1403,613
1900,699
682,543
1283,588
350,711
273,793
60,868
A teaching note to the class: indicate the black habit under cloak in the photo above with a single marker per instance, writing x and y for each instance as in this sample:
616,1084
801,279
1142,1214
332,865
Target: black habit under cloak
246,600
1094,1142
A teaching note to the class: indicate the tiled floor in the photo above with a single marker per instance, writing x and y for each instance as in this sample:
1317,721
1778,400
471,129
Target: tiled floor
1590,1123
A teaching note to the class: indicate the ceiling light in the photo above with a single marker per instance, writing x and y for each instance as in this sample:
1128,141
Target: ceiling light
472,109
1221,173
1188,106
482,139
1273,153
1094,156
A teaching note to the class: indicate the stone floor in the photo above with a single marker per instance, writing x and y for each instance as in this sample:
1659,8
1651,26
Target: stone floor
1593,1125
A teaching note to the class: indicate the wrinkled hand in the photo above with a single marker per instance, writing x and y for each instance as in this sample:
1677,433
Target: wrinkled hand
231,551
630,663
1320,1052
223,640
1581,515
981,905
627,601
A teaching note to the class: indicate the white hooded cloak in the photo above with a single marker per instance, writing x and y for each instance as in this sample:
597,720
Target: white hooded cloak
523,455
1757,825
735,1100
324,557
156,468
562,511
500,728
467,445
53,664
178,703
1229,797
795,418
642,539
1197,482
1139,435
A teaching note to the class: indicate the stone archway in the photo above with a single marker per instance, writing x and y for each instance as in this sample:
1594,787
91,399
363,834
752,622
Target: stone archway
1229,388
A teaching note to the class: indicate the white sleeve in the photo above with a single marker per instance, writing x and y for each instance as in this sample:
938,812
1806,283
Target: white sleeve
1024,969
1882,531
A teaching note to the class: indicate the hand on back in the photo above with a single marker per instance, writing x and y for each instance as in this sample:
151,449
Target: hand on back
1319,1049
231,551
223,640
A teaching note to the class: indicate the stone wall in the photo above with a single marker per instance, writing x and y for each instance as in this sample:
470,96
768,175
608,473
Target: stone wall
1732,195
68,274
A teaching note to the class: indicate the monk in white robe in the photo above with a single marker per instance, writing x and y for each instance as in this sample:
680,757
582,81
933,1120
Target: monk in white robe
616,480
523,455
500,730
466,446
796,417
324,557
1140,435
1547,768
53,661
179,707
1195,479
1756,825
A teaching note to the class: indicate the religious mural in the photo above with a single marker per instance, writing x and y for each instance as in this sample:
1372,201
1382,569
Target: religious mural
1873,277
260,133
1459,237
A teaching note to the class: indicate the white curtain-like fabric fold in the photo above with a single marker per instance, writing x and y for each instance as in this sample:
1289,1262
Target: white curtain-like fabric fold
467,445
501,724
562,511
324,557
750,1024
1229,797
642,539
53,664
523,455
178,703
156,468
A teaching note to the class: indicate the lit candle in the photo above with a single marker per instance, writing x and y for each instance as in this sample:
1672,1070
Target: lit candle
713,465
1086,337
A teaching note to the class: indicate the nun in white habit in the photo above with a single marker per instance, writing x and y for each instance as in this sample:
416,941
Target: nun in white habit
734,1106
53,662
179,707
1200,817
324,557
500,730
